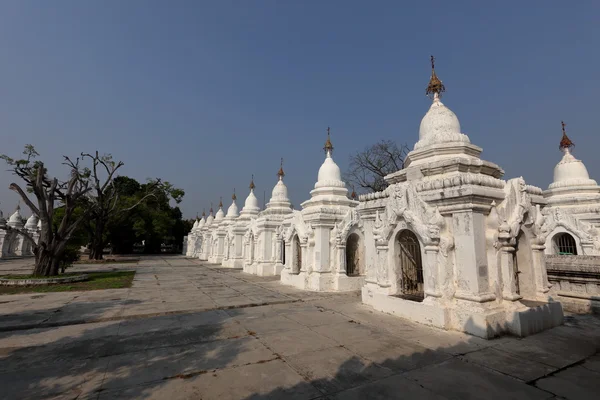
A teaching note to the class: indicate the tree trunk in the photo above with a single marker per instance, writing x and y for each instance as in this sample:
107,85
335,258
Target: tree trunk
97,247
96,251
46,264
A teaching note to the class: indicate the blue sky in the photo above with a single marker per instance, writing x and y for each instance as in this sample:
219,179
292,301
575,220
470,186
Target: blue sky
204,94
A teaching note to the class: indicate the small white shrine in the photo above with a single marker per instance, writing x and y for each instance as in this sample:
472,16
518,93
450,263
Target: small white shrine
318,237
239,238
13,243
229,244
452,245
204,233
573,207
218,232
269,252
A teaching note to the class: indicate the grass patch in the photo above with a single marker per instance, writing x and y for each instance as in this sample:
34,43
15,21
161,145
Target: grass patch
41,277
96,281
108,261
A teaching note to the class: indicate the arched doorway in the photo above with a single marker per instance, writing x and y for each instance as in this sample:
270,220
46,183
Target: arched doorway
410,271
354,259
523,270
296,254
564,244
251,250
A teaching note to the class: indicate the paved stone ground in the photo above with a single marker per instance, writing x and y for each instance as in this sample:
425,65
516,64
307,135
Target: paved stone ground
187,330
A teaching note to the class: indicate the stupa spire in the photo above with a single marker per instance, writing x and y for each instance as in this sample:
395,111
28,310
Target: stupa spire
328,145
220,202
211,210
233,196
280,173
203,212
435,88
565,142
252,185
353,195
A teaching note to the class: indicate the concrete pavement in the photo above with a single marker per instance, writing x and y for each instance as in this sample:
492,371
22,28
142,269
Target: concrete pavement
188,330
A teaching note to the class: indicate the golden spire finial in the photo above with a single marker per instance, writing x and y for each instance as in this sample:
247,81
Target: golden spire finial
280,173
203,212
353,195
435,87
565,142
233,196
220,202
328,145
252,185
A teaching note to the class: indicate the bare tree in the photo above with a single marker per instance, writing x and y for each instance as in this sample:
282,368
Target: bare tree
368,167
104,201
50,193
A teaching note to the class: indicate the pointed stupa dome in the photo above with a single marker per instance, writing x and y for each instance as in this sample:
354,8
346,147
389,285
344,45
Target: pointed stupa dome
570,171
280,192
279,196
220,214
440,124
251,203
195,226
329,173
202,221
32,222
16,219
210,218
232,211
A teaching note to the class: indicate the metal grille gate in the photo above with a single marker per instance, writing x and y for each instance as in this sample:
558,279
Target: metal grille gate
410,266
566,244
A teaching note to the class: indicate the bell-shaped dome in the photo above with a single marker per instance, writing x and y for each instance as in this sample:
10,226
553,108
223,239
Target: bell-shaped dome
251,201
280,192
220,214
32,222
232,211
571,172
195,226
210,218
329,171
202,222
439,120
440,125
16,218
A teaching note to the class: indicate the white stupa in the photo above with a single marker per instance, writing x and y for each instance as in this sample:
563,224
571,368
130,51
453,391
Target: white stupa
573,210
266,259
316,237
232,211
572,184
32,223
329,190
251,207
16,219
238,243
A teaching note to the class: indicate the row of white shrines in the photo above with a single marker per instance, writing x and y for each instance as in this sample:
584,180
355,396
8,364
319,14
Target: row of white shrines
448,243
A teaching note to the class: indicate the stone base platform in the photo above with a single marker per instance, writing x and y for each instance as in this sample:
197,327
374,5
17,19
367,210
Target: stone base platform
475,319
322,281
236,263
